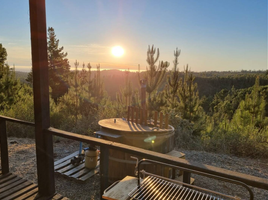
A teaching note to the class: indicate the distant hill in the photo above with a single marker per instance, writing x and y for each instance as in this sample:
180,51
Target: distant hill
208,83
114,80
22,76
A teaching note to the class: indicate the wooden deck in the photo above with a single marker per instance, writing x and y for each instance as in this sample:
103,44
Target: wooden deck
14,187
76,172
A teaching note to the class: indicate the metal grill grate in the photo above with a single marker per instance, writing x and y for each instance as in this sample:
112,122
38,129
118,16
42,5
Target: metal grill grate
156,188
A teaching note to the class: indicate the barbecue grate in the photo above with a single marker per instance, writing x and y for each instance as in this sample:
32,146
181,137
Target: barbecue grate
156,188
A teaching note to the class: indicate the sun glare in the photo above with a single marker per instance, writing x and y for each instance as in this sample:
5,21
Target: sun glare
117,51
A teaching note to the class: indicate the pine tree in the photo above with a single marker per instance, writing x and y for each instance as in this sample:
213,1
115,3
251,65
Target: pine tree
58,66
97,86
83,75
3,57
251,111
9,84
86,81
124,97
86,105
29,78
171,92
89,81
75,84
158,101
189,103
154,74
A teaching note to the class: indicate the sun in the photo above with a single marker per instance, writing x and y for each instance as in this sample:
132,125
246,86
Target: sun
117,51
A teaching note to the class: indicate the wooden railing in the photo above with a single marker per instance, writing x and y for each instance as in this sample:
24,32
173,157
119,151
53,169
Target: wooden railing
139,116
105,146
3,140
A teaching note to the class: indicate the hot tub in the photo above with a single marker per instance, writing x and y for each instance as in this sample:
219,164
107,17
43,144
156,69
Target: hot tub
147,137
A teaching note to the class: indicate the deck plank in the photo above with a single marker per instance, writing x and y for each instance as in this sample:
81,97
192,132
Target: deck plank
75,169
32,197
85,171
80,173
62,165
14,189
28,194
57,197
9,182
65,169
5,178
12,185
88,175
77,172
21,192
66,158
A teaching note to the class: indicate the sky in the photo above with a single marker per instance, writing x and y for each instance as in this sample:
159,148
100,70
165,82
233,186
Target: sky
213,35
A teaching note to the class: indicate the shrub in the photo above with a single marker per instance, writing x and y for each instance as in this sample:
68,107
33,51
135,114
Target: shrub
24,110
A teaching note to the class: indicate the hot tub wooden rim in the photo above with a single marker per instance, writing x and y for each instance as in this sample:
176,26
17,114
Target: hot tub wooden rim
137,134
131,127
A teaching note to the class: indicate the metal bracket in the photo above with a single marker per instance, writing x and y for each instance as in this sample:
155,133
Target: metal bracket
136,167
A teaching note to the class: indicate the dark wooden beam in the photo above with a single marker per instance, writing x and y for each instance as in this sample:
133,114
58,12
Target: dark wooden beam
4,147
104,169
44,145
10,119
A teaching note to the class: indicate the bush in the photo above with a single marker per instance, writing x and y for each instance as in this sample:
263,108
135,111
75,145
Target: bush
246,141
184,133
24,110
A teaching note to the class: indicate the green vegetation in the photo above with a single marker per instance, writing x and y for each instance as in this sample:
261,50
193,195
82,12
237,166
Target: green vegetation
223,112
153,78
58,66
16,98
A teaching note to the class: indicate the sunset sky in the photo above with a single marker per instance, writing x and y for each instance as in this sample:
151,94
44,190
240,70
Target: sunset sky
213,35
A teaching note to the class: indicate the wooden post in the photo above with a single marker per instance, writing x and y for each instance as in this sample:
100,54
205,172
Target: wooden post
137,115
141,116
44,144
161,120
166,121
155,118
132,114
104,169
128,113
143,84
145,117
186,177
4,147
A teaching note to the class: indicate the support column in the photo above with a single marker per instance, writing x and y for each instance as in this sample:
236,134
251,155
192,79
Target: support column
44,144
4,147
104,169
